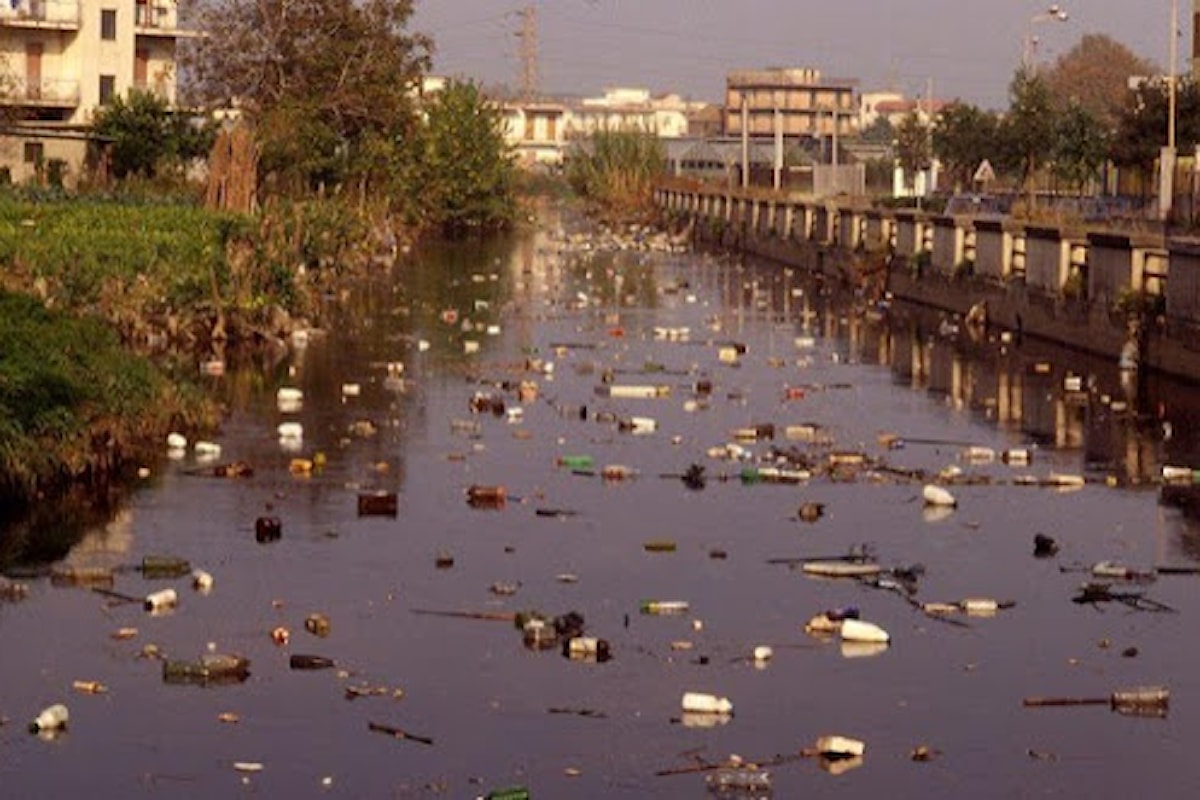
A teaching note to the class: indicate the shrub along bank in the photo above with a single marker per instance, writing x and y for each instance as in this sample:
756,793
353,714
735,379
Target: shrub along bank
74,403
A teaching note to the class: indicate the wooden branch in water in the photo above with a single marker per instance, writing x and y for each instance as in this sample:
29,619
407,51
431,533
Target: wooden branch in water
398,733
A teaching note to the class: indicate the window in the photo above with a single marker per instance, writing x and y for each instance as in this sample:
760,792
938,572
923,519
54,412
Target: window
34,153
108,24
108,89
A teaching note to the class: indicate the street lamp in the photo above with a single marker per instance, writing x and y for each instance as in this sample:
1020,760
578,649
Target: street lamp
1054,13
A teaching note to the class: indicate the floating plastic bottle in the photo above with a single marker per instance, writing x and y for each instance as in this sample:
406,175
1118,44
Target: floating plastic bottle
310,662
587,648
856,630
52,718
161,600
704,703
1016,457
840,746
378,504
615,473
937,496
739,781
202,581
317,625
494,497
751,475
164,567
510,793
664,606
537,634
576,462
267,529
209,669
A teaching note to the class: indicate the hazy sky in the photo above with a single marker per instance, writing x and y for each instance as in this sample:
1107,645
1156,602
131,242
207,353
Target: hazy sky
967,48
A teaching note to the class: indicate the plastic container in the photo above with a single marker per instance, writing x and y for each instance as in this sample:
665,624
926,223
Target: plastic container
202,581
738,781
52,718
840,746
664,607
576,462
310,662
1016,457
937,496
587,648
856,630
317,625
618,472
487,496
511,793
538,635
210,668
267,529
703,703
164,567
161,600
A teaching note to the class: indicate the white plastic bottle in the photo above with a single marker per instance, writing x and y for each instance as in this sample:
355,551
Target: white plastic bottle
52,718
702,703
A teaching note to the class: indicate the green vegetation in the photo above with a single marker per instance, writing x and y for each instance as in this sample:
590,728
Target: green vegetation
148,138
615,172
145,268
467,165
74,405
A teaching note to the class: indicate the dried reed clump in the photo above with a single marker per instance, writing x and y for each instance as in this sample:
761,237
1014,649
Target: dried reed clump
233,170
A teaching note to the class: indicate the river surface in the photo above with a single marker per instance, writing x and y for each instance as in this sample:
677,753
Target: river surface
500,714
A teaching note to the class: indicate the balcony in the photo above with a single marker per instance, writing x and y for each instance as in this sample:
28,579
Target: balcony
46,93
40,14
156,20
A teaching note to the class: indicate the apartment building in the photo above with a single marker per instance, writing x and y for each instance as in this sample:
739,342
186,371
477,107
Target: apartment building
64,59
799,101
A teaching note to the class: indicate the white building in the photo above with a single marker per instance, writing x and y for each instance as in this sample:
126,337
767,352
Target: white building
629,109
67,58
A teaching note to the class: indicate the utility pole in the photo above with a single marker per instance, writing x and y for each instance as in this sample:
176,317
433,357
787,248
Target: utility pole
528,52
1166,160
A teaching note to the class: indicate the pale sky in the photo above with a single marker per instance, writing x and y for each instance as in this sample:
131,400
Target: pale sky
968,49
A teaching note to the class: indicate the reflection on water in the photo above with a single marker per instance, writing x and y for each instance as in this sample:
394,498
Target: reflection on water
368,514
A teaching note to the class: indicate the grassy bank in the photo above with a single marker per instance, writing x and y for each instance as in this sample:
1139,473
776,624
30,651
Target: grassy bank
74,403
161,273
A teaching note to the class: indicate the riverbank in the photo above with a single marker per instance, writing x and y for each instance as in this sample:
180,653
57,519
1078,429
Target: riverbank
75,405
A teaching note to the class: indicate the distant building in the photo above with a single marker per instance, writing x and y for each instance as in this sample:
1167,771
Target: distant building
632,109
69,58
799,101
536,131
895,107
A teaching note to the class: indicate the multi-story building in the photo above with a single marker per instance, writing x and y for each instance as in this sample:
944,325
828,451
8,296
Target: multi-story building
64,59
797,101
630,109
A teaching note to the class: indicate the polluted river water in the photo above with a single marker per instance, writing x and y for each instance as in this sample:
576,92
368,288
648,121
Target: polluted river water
504,431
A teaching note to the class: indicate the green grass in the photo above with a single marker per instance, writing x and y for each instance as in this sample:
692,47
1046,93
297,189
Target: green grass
74,404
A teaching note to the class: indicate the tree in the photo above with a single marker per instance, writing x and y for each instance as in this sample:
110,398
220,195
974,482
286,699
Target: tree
914,146
1095,75
1142,123
147,137
1080,146
880,131
1027,131
963,137
317,77
469,171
